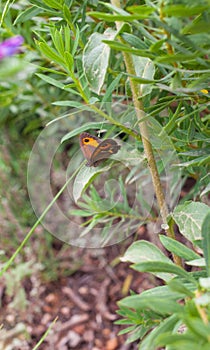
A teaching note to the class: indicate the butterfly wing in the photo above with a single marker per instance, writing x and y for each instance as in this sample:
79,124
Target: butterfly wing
104,150
88,144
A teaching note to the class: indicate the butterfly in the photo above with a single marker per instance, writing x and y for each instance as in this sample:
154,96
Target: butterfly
95,149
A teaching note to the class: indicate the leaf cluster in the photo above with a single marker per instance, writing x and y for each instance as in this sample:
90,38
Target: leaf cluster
177,314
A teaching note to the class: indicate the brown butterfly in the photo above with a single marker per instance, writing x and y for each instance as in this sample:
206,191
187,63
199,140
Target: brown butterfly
95,149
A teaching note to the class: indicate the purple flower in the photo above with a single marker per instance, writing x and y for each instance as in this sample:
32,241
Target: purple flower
10,46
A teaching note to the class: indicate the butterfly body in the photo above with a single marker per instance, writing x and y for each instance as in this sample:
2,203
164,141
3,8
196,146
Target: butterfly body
95,149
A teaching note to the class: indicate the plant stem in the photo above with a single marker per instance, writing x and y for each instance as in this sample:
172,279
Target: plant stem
145,138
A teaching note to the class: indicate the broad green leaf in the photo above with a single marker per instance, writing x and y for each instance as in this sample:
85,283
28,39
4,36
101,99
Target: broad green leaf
84,177
183,10
142,251
178,248
178,341
160,292
205,230
96,58
145,69
157,266
161,305
189,217
198,326
184,289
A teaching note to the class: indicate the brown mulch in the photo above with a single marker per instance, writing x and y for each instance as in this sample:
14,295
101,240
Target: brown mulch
83,304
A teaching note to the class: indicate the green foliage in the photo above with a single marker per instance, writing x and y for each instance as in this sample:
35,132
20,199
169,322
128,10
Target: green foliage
185,320
73,58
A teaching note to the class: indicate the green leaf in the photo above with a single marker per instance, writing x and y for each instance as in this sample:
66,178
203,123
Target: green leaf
146,10
167,325
27,14
142,251
178,248
178,341
85,127
198,161
69,61
178,287
126,330
198,26
67,15
157,266
205,230
134,41
51,81
121,47
54,4
177,58
111,88
183,10
145,69
198,326
113,18
205,283
160,305
84,178
40,4
76,41
160,292
189,217
197,262
58,40
96,58
50,53
141,81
